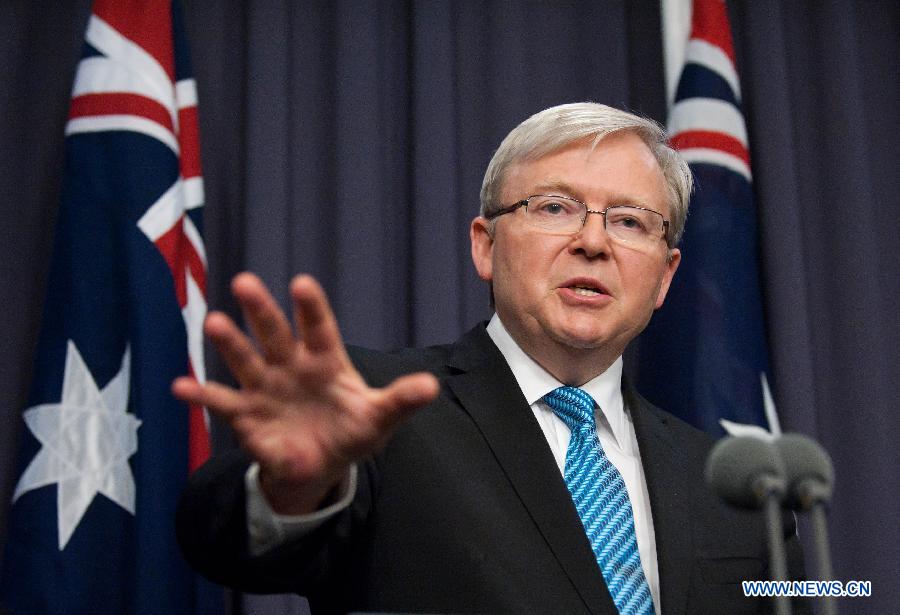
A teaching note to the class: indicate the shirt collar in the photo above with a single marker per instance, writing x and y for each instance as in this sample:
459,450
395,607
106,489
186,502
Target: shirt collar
535,381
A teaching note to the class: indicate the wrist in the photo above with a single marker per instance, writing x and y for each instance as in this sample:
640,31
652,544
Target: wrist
291,497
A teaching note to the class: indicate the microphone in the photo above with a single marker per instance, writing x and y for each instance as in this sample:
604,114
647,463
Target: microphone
749,473
808,470
810,482
745,471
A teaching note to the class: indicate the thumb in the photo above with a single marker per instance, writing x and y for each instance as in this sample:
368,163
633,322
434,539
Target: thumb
405,395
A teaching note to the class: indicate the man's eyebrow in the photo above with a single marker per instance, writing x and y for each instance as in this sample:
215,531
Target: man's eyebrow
555,187
630,199
561,188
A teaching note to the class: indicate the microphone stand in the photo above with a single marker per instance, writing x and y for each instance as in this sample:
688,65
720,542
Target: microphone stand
810,478
812,499
777,557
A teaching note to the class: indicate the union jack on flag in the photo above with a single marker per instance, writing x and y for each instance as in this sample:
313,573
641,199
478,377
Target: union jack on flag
704,355
706,122
107,448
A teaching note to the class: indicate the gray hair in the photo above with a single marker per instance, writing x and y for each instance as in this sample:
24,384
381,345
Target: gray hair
552,129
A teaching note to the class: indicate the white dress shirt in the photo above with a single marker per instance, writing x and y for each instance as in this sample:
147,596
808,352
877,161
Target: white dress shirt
267,529
614,428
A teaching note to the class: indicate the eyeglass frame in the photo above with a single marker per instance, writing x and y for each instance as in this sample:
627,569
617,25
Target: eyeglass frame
524,203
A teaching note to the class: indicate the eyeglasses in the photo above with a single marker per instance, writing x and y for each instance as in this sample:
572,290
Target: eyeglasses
628,224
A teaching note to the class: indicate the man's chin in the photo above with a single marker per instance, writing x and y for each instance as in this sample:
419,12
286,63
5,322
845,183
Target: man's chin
580,338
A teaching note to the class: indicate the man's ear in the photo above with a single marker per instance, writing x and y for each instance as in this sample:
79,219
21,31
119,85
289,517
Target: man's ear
672,263
482,238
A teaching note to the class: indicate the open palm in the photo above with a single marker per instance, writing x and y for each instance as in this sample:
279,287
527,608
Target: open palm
302,410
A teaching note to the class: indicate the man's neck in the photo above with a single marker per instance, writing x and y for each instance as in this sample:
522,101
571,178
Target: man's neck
571,366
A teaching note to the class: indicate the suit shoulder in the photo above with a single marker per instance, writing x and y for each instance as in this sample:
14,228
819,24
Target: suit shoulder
380,367
690,437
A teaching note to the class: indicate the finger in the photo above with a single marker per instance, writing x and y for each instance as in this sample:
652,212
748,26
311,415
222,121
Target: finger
313,316
265,318
220,399
404,396
236,349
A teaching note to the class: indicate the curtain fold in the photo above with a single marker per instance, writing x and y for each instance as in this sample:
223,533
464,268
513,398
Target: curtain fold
824,119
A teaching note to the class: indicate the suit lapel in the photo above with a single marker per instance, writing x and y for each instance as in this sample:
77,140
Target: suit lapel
487,390
669,500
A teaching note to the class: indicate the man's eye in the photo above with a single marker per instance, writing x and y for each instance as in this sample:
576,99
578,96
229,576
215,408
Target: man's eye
627,222
553,208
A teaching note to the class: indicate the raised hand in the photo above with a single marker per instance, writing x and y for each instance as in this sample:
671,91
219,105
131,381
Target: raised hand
302,410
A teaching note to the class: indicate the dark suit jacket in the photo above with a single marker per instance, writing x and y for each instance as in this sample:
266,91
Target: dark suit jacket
465,510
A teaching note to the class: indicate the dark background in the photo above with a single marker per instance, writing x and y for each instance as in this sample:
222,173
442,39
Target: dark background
349,139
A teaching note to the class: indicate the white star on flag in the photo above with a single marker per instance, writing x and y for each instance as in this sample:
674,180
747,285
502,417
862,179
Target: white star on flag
755,431
86,440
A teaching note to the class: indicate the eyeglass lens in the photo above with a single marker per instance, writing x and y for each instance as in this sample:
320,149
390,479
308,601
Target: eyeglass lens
623,222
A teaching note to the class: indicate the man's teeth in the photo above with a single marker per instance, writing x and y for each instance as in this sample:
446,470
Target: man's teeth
585,292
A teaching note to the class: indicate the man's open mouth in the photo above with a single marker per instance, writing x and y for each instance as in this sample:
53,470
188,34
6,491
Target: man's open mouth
585,287
585,291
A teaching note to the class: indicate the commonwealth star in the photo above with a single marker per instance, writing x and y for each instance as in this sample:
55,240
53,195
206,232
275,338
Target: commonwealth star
86,440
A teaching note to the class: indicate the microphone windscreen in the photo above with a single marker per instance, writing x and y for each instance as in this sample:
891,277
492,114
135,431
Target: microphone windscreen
808,470
744,469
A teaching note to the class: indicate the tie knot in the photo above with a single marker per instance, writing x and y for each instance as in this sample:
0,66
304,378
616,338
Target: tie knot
573,406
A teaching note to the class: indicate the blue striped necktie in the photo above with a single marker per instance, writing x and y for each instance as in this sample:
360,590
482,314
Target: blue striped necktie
602,502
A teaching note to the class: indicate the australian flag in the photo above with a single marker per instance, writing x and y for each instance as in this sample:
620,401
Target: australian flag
704,355
106,448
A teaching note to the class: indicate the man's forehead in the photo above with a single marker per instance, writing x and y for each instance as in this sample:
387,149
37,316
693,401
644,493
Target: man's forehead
556,172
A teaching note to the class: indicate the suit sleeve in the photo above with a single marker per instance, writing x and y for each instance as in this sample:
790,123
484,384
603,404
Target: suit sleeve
212,530
212,520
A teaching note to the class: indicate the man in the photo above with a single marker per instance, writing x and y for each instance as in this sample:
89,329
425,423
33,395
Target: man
511,471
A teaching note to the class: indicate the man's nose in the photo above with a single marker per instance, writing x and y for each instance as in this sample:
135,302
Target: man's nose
592,239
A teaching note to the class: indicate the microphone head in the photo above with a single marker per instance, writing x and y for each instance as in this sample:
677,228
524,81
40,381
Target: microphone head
745,471
808,470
